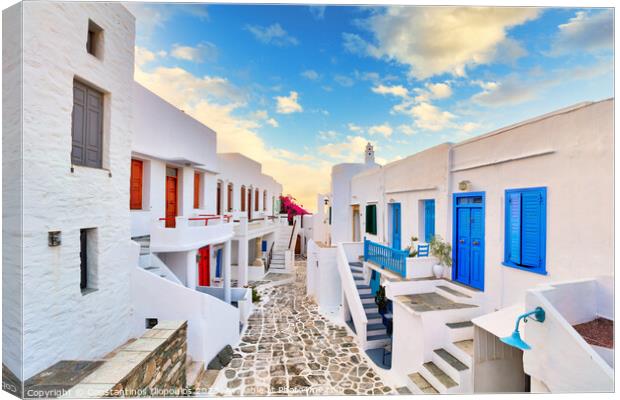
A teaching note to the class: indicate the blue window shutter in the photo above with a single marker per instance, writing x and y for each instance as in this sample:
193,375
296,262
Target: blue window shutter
514,228
532,230
429,220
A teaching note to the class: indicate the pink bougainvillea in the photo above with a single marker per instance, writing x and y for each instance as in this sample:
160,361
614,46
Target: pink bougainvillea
289,207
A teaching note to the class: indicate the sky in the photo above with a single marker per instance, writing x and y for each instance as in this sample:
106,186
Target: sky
302,88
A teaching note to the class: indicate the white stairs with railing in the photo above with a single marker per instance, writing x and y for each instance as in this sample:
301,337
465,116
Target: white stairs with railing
449,368
376,331
150,262
280,247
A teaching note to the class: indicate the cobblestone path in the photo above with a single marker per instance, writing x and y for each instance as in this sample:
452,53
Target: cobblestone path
289,348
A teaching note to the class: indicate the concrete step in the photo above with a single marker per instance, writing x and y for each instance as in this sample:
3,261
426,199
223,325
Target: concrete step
368,300
363,289
418,385
369,305
438,378
358,278
374,328
458,331
451,365
373,317
463,350
455,294
367,296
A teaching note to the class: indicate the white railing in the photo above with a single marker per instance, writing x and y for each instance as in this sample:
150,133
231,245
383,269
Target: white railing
256,226
189,233
349,252
559,357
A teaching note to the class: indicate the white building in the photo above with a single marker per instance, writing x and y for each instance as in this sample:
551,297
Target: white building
67,145
516,206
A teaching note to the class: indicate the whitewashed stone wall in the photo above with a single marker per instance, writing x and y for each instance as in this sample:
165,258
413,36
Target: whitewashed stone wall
12,189
59,321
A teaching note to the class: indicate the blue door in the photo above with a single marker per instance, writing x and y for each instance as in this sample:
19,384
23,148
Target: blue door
429,220
396,227
468,254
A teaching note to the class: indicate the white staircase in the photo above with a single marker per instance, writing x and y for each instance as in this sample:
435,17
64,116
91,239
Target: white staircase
280,247
449,369
151,262
376,332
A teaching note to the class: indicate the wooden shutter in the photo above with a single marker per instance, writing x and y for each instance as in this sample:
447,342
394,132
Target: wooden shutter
242,198
513,224
87,126
532,228
229,199
256,193
196,190
135,185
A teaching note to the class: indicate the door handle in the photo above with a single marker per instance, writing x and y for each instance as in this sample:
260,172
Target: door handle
475,243
462,241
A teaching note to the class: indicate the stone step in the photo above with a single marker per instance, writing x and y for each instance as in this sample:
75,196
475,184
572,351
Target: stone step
450,365
453,292
438,378
372,338
467,346
462,330
358,278
419,385
356,264
362,287
193,371
375,327
374,318
369,305
463,350
367,296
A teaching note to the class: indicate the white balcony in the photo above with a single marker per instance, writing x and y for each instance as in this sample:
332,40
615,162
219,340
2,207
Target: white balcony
190,233
257,226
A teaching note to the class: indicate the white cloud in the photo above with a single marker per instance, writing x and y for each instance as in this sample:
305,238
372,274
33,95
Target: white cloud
439,90
397,90
318,12
311,74
383,129
437,40
350,150
288,104
406,129
354,128
272,34
469,127
273,122
430,117
262,115
144,56
343,80
586,31
327,135
205,51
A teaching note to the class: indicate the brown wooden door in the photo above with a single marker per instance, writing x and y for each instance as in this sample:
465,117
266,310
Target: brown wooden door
219,199
249,204
135,185
171,201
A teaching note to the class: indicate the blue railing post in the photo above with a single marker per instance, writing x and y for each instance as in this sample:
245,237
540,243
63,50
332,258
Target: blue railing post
365,249
386,257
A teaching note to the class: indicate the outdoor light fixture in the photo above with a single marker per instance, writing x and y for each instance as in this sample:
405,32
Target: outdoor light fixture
326,201
53,238
464,185
515,340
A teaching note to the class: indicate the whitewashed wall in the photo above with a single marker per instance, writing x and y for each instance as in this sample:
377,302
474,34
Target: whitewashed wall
165,136
569,152
367,188
341,199
60,323
12,200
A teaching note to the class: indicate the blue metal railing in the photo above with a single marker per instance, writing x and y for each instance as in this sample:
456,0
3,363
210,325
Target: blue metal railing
386,257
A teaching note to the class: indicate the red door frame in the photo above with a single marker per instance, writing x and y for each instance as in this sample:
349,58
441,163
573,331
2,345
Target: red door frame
204,266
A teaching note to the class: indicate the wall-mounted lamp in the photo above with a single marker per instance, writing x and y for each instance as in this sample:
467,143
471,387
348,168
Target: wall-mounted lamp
53,239
515,340
391,201
326,201
464,185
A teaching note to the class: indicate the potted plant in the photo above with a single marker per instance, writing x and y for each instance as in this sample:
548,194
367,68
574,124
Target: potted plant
442,251
381,300
413,249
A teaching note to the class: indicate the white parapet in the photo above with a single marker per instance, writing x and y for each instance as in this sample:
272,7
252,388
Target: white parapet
189,234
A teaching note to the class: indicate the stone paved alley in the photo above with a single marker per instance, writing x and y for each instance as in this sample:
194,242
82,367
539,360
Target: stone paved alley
289,348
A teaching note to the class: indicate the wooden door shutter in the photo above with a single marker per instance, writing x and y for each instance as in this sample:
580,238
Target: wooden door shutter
196,190
135,185
532,228
87,126
513,225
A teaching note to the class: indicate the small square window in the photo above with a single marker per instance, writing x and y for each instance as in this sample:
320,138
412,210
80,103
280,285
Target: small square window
94,40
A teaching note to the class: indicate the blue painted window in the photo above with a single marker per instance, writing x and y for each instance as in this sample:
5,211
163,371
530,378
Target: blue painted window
526,229
429,220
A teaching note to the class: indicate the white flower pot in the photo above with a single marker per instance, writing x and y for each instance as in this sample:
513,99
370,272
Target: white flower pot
438,270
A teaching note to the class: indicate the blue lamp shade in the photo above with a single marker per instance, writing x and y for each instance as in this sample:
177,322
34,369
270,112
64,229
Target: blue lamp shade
515,340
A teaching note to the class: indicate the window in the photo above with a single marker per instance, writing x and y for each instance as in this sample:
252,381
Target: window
135,185
330,215
429,220
256,192
526,226
196,189
230,197
86,126
88,260
242,198
94,40
218,200
264,200
371,219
